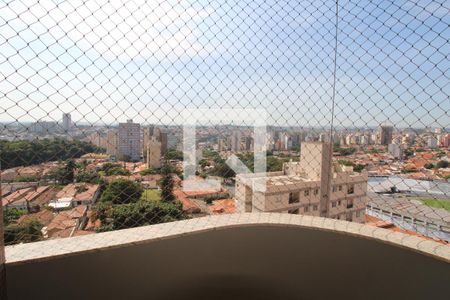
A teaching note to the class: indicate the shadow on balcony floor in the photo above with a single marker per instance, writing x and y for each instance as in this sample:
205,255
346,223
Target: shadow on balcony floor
256,262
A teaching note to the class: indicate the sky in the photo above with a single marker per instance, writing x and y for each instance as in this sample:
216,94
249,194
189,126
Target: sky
108,61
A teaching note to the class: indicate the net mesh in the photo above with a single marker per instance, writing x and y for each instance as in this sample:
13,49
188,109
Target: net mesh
118,114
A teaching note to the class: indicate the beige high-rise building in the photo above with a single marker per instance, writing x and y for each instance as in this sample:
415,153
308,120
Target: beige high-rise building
161,136
153,153
313,186
112,142
129,140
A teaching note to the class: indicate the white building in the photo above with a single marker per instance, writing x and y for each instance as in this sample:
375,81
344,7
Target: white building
66,122
395,150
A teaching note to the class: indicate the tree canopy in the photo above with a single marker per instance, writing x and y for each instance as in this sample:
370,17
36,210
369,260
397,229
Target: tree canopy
122,191
141,213
167,184
26,153
29,231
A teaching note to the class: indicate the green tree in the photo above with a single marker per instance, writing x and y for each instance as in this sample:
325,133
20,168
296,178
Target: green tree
149,171
88,177
12,214
167,184
344,151
64,173
442,164
173,154
141,213
32,178
69,171
29,231
124,157
114,169
25,153
122,191
428,166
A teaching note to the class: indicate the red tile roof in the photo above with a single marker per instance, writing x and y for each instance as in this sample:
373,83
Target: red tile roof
188,205
223,206
44,216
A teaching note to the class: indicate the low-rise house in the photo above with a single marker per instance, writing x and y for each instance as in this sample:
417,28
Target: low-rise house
44,216
27,200
189,206
75,194
14,196
222,206
87,194
67,221
9,174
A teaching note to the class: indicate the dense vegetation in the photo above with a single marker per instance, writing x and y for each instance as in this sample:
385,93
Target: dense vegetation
173,154
141,213
125,205
167,184
122,191
220,168
110,169
344,151
64,173
29,231
25,153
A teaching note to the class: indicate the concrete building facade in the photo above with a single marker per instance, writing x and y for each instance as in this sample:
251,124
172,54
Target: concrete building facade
66,122
314,186
112,141
385,135
129,140
153,154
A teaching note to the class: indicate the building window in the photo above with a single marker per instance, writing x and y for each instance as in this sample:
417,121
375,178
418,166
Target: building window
316,192
339,203
315,207
340,188
349,203
334,189
357,214
306,192
293,211
351,189
333,204
306,209
294,198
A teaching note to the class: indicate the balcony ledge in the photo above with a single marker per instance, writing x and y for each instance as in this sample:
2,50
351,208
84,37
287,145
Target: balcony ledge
45,250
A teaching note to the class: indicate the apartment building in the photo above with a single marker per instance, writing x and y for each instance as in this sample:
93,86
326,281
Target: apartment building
385,133
112,141
129,140
66,122
313,186
153,154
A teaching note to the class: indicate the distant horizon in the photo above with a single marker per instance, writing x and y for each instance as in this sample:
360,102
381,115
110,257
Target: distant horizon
336,127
